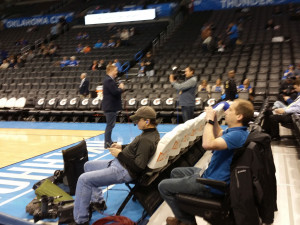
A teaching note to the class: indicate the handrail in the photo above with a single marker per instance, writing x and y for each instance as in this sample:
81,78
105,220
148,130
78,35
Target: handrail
138,56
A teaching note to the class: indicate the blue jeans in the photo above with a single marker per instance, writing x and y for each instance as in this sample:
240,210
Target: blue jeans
187,112
183,180
110,124
97,173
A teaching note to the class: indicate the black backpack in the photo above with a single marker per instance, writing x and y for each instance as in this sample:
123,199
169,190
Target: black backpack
253,191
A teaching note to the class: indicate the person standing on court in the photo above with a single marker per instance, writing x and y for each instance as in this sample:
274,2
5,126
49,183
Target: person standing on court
230,86
84,86
186,91
111,102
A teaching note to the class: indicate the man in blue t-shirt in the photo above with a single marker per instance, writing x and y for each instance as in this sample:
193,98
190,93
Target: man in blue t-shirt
183,179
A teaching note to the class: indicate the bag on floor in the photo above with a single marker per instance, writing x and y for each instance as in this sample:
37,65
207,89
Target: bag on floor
115,220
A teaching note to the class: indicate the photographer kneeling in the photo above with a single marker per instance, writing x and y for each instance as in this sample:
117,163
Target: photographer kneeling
186,91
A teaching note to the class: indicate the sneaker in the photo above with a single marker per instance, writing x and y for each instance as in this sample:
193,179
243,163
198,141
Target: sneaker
98,206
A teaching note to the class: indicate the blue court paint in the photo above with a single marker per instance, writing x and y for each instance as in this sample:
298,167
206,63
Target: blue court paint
16,180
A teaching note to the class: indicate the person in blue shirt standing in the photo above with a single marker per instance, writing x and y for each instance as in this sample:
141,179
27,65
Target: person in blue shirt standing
186,91
233,33
111,102
183,179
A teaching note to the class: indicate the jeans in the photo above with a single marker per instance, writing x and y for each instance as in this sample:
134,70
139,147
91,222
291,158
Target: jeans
183,180
110,124
97,173
187,112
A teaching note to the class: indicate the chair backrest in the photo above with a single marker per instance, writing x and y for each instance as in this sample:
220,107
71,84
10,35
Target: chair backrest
40,103
62,103
3,102
144,102
73,103
10,103
84,104
51,103
130,104
20,103
96,104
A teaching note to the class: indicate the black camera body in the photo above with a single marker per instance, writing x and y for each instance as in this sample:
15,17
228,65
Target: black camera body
48,209
178,74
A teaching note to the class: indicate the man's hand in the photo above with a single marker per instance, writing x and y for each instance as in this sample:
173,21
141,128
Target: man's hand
171,78
121,86
210,113
116,145
114,151
279,111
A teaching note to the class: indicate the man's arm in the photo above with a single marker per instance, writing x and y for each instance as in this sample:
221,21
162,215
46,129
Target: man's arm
211,139
113,88
184,85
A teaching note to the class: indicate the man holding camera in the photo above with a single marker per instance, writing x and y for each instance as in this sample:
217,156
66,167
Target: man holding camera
186,91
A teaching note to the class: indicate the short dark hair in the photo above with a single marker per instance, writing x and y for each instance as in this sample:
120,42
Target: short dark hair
297,82
191,69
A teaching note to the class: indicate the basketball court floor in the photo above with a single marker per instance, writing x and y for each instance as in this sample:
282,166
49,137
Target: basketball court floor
31,151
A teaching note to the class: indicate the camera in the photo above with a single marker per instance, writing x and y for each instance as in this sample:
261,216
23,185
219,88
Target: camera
178,74
48,209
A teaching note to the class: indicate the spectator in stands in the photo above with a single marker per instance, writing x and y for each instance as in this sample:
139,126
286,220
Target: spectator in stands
98,44
218,87
289,72
204,86
287,93
223,143
85,35
282,115
186,91
73,61
118,65
149,65
246,86
86,49
94,66
124,36
54,31
270,25
129,162
233,33
230,86
141,71
12,62
79,36
79,48
111,103
5,64
19,64
221,46
84,86
30,55
101,64
118,43
52,52
132,31
22,42
206,36
111,43
64,62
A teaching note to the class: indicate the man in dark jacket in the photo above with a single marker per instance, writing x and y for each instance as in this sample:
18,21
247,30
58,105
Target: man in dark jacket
84,86
111,103
128,163
230,86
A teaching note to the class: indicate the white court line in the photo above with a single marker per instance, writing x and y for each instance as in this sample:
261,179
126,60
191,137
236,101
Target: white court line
18,196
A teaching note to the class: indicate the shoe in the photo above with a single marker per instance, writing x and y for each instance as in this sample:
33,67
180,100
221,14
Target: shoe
175,221
98,206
